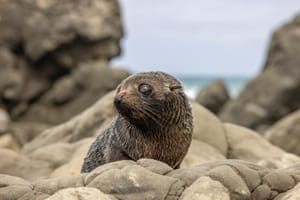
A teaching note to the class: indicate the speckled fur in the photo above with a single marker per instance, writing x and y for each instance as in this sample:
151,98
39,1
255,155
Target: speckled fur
159,126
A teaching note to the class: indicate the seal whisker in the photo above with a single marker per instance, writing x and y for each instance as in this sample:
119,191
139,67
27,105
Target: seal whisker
156,116
150,115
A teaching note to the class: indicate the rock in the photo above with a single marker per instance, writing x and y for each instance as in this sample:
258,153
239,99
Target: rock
81,193
73,26
133,181
262,192
208,128
233,179
83,125
72,94
73,166
48,75
55,154
248,145
291,194
206,188
278,181
9,142
213,96
191,174
155,166
254,182
13,187
25,132
4,120
274,93
51,186
76,27
286,133
107,167
22,166
199,153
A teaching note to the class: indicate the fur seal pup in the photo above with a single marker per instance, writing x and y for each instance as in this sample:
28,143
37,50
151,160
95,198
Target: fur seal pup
154,120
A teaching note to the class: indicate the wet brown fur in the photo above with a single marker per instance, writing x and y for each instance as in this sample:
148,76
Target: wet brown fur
158,126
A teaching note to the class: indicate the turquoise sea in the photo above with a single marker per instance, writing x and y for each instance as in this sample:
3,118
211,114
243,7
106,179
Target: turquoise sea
192,83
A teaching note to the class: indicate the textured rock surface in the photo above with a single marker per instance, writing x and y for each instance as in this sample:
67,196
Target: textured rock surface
54,60
74,25
286,133
213,96
206,188
230,179
276,91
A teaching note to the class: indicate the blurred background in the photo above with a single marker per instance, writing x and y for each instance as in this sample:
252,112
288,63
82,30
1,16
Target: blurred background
200,41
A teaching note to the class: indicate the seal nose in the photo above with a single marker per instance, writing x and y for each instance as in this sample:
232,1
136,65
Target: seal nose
117,99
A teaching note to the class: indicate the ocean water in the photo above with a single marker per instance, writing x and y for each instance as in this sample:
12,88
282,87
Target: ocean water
193,83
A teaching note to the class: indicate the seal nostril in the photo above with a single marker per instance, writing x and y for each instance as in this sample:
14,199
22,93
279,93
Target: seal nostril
117,99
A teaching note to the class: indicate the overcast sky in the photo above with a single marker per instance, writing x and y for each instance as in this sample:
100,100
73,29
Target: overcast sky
213,37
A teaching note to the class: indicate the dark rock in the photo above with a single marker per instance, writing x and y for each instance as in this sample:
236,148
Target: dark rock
286,133
275,92
213,96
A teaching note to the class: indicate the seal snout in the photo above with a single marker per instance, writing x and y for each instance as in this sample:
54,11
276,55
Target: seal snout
117,100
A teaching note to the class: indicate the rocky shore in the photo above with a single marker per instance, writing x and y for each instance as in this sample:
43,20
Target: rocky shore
57,89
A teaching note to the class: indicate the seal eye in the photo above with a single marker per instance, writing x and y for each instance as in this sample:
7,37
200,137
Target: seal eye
145,89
